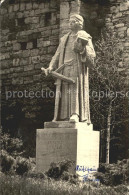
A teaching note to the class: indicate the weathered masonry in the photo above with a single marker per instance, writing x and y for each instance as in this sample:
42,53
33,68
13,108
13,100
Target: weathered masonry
30,32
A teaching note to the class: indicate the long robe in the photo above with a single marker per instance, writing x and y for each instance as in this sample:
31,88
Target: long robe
73,98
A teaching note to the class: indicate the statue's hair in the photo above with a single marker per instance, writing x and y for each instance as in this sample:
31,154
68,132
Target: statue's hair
77,17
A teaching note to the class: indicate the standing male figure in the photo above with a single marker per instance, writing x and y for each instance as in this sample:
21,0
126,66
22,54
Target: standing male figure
77,54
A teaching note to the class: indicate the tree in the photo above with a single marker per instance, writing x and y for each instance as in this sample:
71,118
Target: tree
108,89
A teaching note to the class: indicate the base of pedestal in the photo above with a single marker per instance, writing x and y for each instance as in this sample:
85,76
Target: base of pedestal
60,141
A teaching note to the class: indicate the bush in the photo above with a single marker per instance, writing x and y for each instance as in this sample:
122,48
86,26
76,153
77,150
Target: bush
57,169
14,146
7,162
23,165
12,156
114,174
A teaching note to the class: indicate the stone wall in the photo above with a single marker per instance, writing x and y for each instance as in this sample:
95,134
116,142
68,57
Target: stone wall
117,20
29,38
112,14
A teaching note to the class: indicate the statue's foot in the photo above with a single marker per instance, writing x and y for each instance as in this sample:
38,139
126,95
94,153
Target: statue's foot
74,118
54,120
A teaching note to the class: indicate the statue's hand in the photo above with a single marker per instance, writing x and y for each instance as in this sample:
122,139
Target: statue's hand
47,70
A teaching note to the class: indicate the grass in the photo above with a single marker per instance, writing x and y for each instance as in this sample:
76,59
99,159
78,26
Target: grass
16,185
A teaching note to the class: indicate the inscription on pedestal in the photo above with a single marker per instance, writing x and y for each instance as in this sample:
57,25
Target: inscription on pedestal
55,145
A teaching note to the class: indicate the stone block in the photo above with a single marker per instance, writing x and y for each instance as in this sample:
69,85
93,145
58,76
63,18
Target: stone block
35,5
28,6
122,29
16,46
52,49
38,66
28,81
75,7
37,77
3,11
14,75
10,9
5,32
37,11
118,15
16,62
26,53
55,145
35,59
16,7
12,15
67,124
113,9
46,43
29,45
22,6
120,64
28,20
32,13
53,18
26,14
20,15
24,61
17,54
55,31
121,34
46,5
5,56
109,24
30,67
16,81
65,140
5,71
126,44
41,5
87,151
34,52
35,20
6,64
108,19
16,69
128,32
119,25
64,6
39,42
53,4
124,6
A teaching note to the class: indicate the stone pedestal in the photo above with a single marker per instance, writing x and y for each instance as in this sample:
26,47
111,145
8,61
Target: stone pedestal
64,140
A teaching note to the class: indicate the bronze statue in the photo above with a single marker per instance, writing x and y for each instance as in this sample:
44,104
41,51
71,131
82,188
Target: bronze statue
74,56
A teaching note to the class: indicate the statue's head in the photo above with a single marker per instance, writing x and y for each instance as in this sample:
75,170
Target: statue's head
76,22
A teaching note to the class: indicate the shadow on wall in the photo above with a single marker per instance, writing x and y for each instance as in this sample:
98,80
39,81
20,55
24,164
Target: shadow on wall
94,13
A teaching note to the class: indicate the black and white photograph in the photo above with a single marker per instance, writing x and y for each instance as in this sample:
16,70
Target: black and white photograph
64,101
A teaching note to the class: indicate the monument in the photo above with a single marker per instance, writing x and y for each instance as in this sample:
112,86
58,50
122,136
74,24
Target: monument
70,135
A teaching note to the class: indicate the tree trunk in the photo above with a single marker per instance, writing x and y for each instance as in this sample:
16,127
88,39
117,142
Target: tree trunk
108,133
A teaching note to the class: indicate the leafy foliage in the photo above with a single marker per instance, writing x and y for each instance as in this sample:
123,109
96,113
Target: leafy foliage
114,174
56,170
108,96
12,156
7,162
14,146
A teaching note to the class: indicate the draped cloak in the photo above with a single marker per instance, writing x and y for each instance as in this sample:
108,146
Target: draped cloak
73,98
